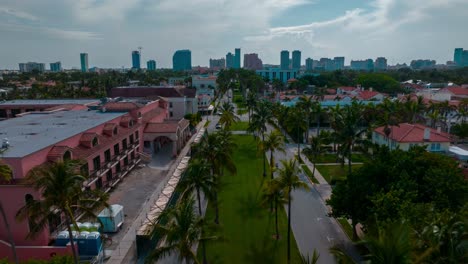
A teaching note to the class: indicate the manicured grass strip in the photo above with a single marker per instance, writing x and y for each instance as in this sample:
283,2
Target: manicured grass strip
239,126
347,228
356,157
246,229
207,123
324,158
309,174
335,172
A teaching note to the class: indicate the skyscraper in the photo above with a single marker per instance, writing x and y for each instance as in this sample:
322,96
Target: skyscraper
84,62
56,66
362,65
284,63
136,59
296,60
230,60
182,60
458,56
339,63
309,64
151,65
380,63
217,64
31,66
252,62
237,59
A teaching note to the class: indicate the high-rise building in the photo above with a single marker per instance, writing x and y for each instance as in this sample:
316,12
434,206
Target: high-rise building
217,64
362,65
136,59
151,65
458,56
237,58
230,60
422,64
84,62
465,58
182,60
32,66
309,64
296,60
338,63
380,63
284,63
252,62
56,66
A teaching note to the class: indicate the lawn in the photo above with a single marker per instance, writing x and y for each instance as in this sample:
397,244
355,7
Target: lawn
309,173
246,230
356,157
325,158
239,126
346,226
335,172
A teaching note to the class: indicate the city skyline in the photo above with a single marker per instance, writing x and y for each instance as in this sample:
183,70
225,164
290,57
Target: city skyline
395,29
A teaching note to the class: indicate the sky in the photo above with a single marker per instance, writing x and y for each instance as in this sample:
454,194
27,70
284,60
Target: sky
108,30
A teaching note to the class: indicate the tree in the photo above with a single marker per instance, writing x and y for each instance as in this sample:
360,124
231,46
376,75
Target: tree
296,125
61,188
5,175
289,180
251,102
182,231
228,116
197,178
307,104
261,116
273,142
274,194
314,150
310,260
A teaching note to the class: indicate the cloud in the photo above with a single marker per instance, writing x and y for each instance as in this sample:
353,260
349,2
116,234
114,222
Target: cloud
51,32
17,13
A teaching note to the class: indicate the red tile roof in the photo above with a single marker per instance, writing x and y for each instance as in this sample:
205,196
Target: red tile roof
122,106
347,88
409,133
457,90
366,95
57,152
168,126
87,137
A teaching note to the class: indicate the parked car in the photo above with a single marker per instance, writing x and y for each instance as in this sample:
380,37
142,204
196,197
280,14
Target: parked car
218,126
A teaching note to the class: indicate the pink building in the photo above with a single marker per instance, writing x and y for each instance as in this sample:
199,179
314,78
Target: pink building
9,109
109,139
252,62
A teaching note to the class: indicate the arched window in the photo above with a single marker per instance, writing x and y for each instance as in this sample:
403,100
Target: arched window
95,141
115,131
28,198
67,155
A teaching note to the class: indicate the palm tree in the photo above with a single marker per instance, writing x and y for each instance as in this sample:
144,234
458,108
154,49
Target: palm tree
228,117
295,123
261,116
274,194
197,178
273,142
309,260
307,104
182,231
5,175
61,188
251,102
314,150
289,181
317,110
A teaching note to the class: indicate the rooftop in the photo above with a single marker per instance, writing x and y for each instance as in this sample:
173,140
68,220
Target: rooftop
414,133
49,102
35,131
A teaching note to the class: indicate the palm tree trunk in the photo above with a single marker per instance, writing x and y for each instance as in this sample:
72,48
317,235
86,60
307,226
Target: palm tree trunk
276,218
10,235
289,225
215,199
318,125
349,160
353,223
298,145
264,156
200,213
271,163
72,242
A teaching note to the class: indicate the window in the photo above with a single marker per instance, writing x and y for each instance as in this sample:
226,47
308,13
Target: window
124,143
435,146
170,104
131,139
116,149
109,175
97,163
115,131
29,199
125,161
67,155
170,114
99,183
107,155
130,123
137,136
84,170
95,141
139,114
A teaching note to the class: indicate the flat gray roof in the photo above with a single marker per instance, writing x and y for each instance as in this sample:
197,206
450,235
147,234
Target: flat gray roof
35,131
49,102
